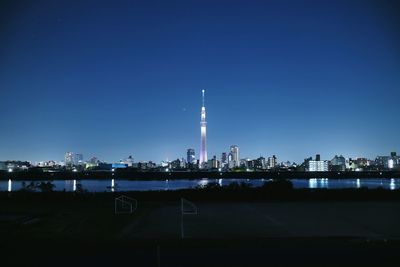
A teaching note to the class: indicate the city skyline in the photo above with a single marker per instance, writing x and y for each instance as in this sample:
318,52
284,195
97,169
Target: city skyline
200,133
202,159
281,79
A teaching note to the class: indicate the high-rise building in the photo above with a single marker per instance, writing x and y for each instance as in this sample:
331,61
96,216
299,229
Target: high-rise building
203,131
382,162
78,159
338,163
69,159
390,162
213,163
73,159
260,163
272,162
318,165
234,160
224,159
231,162
191,156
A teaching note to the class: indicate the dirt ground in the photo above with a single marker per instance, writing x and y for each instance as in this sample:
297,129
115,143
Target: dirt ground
367,220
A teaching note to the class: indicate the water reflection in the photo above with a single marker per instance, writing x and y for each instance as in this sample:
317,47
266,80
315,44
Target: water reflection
324,183
112,185
392,184
316,183
203,182
312,183
9,185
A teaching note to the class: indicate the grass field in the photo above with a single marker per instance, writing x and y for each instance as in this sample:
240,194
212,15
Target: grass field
87,232
74,219
157,220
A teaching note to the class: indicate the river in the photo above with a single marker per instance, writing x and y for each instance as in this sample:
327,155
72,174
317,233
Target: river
117,185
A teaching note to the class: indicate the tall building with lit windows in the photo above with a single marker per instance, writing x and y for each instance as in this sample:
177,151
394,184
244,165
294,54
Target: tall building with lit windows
272,162
190,156
234,160
224,159
69,159
78,159
338,163
73,159
318,165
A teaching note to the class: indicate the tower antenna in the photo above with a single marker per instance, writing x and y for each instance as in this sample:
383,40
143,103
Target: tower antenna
203,91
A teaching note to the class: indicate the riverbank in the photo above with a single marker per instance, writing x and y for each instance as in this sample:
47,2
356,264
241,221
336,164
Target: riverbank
273,191
179,175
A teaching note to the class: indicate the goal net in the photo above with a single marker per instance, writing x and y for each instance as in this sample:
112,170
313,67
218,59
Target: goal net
125,205
188,207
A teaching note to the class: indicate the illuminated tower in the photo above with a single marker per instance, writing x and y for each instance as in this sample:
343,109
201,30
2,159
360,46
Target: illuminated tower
203,126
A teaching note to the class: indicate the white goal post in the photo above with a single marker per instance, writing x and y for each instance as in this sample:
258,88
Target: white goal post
124,205
187,208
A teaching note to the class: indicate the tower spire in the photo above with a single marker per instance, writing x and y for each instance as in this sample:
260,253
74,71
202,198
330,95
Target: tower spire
203,127
203,91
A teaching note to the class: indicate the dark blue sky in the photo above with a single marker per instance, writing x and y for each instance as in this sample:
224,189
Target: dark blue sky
119,78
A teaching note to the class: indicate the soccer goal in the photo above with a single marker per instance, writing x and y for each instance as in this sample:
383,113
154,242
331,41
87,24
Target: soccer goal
125,205
187,208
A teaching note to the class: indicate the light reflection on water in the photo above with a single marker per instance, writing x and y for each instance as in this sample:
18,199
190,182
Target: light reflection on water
392,184
312,183
114,185
203,182
317,183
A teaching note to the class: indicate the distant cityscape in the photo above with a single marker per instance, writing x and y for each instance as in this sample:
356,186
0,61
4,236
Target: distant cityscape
228,161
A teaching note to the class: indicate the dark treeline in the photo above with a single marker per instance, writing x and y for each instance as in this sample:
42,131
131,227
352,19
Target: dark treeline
278,190
147,175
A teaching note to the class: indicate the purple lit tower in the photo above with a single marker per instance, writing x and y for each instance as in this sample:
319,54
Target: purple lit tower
203,126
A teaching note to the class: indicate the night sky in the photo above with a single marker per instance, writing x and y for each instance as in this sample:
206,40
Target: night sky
120,78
